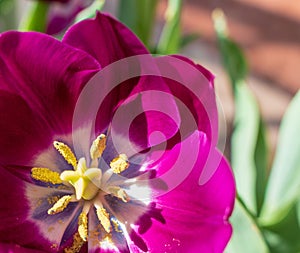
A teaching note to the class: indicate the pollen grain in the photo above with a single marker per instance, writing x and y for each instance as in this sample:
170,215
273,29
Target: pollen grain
77,244
119,164
60,205
83,226
45,175
66,152
98,146
103,217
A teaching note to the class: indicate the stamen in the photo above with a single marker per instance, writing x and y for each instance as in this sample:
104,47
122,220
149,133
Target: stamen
119,193
77,244
60,205
116,225
66,152
45,175
123,195
83,226
98,146
119,164
103,217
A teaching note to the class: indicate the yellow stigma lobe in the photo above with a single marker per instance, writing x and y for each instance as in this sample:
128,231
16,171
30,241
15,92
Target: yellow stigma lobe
60,205
66,152
83,226
98,146
45,175
103,217
119,164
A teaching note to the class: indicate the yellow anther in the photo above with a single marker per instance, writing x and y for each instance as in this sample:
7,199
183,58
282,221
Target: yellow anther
119,164
119,193
83,226
98,146
66,152
77,244
116,225
60,205
103,217
45,175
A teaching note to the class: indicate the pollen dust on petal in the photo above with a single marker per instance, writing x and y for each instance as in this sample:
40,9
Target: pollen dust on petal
77,244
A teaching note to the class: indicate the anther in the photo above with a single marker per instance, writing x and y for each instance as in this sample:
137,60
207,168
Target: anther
103,217
119,164
60,205
45,175
98,146
66,152
83,226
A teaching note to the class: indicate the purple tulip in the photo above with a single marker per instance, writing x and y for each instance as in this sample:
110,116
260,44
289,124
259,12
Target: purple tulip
61,15
104,153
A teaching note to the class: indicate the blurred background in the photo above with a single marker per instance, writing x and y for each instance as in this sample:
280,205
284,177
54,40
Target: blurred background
269,33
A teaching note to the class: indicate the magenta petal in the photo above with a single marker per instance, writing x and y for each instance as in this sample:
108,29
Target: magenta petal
209,76
14,210
192,84
196,215
23,214
14,248
147,118
105,38
62,15
46,73
19,142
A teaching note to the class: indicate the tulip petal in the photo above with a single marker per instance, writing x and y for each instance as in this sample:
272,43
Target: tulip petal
14,248
46,73
196,215
97,242
23,214
42,78
105,38
192,84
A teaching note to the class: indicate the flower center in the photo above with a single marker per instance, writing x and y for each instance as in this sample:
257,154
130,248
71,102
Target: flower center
82,179
90,184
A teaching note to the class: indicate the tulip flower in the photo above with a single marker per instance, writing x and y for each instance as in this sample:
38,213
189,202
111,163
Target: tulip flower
108,180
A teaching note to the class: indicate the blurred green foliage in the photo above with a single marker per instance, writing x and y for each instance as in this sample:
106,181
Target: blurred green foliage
7,15
269,203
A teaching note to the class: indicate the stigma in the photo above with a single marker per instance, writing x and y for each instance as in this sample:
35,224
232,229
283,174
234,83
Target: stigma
89,185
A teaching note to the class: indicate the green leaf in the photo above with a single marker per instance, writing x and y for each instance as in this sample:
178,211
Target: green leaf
7,15
187,39
139,16
170,39
247,238
261,163
232,56
283,189
249,150
127,13
90,11
36,20
284,236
